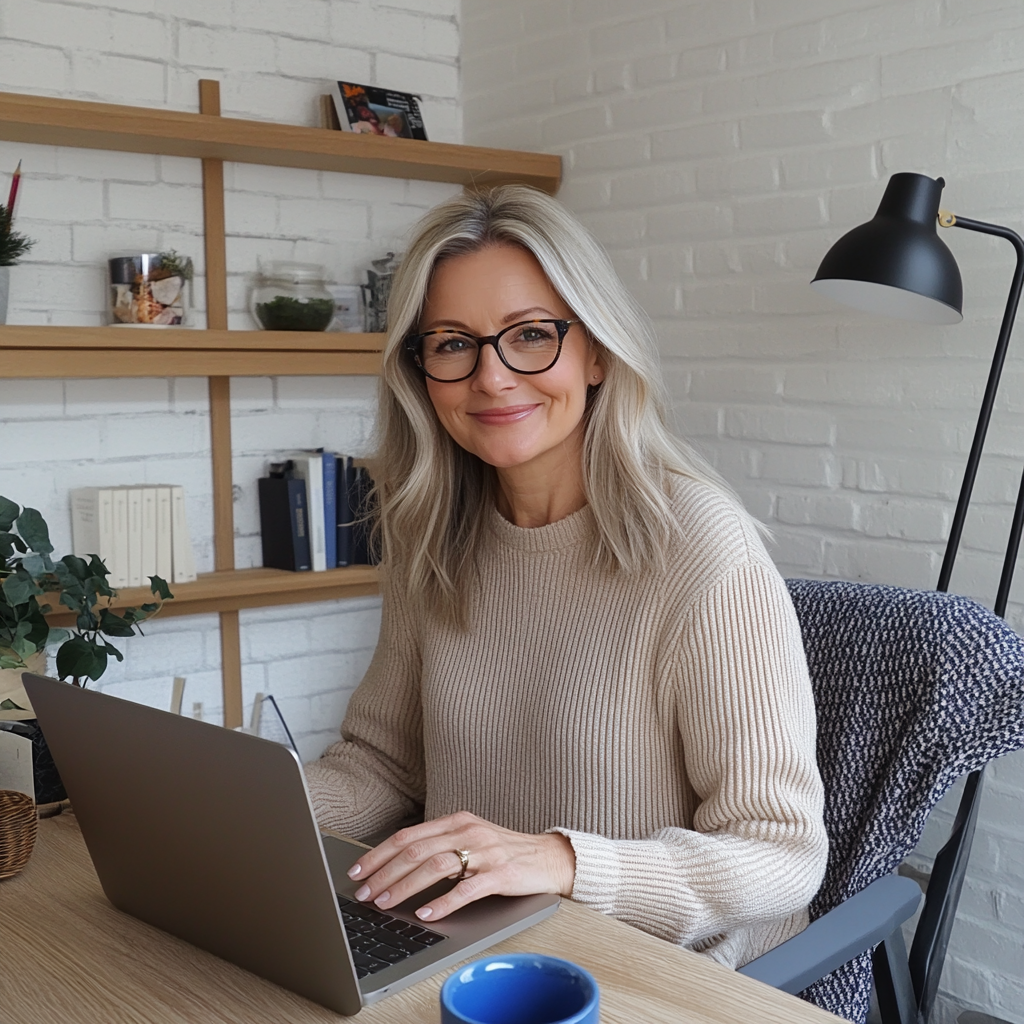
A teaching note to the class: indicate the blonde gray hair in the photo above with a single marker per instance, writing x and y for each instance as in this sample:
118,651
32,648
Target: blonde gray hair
433,496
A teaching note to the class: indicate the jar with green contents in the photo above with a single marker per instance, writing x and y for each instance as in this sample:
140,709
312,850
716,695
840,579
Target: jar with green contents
292,297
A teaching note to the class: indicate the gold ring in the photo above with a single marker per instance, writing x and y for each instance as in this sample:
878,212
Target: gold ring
463,856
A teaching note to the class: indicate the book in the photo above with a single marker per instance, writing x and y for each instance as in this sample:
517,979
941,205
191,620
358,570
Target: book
283,523
92,522
133,531
149,537
327,114
343,510
164,560
134,536
309,466
182,558
360,505
330,469
374,111
118,564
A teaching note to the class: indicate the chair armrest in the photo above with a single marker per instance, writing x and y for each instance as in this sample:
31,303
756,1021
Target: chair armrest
853,927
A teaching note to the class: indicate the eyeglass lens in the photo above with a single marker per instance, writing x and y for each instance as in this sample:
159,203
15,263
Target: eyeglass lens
528,347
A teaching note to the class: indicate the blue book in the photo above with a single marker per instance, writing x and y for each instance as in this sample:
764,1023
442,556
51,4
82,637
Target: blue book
330,461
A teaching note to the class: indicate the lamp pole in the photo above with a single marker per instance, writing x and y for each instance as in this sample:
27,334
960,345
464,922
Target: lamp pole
947,220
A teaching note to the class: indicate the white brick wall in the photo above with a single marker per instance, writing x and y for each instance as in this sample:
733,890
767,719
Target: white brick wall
717,150
273,59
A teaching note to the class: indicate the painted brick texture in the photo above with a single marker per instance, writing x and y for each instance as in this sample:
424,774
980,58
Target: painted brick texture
273,60
717,150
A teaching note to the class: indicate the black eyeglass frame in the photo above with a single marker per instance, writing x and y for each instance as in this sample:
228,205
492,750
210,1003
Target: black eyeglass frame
414,345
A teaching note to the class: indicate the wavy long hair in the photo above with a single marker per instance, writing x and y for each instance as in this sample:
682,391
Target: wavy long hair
433,496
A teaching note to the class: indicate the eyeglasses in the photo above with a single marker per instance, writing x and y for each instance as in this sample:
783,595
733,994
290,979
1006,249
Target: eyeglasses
447,356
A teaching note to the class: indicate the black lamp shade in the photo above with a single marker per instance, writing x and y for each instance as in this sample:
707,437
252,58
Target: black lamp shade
896,264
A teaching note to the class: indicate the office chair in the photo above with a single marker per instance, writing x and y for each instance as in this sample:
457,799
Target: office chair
913,689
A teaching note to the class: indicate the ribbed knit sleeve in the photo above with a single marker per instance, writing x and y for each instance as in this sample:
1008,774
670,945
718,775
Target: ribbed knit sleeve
755,853
374,777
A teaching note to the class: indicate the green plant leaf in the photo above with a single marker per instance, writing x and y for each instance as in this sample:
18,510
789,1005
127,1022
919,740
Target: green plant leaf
8,513
10,661
9,705
78,567
35,566
79,657
73,599
97,567
57,635
9,543
150,608
114,625
18,589
159,587
87,621
34,531
23,648
111,649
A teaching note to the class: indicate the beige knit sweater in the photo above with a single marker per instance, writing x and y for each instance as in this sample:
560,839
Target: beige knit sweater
664,723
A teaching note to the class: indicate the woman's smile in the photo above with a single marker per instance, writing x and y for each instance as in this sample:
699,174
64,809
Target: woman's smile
501,416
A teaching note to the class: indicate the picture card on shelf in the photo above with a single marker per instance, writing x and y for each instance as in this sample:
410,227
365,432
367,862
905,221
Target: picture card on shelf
373,111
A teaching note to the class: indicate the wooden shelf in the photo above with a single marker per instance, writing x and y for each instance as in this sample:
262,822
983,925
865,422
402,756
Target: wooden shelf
234,589
219,354
56,122
46,352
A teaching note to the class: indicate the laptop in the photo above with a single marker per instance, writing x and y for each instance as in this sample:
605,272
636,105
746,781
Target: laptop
209,834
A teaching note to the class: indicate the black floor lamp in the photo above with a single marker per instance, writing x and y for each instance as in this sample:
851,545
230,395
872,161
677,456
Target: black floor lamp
896,264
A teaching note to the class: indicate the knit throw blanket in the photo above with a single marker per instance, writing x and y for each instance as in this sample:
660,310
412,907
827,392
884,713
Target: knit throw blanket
913,689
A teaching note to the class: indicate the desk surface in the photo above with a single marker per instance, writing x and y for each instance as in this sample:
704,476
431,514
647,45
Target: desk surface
67,955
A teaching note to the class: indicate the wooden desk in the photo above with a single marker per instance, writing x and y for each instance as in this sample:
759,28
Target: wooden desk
66,955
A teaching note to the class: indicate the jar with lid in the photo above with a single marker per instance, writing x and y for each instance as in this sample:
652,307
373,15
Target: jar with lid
292,296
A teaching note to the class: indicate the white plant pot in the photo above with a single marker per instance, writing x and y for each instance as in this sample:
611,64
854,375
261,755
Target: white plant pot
5,291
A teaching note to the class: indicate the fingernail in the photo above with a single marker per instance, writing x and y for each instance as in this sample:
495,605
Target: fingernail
355,871
423,913
383,898
362,893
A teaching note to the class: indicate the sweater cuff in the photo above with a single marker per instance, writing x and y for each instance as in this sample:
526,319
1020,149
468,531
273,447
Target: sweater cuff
598,872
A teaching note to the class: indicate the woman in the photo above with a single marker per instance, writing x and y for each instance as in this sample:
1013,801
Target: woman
589,676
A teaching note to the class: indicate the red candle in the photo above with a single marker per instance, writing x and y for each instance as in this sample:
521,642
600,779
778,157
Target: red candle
15,182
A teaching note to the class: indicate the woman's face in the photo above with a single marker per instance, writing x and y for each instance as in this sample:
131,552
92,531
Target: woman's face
509,419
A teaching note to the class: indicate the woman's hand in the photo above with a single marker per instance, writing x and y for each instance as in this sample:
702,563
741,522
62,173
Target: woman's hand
500,861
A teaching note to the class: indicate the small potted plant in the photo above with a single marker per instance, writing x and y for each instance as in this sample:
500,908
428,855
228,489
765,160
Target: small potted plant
29,579
12,245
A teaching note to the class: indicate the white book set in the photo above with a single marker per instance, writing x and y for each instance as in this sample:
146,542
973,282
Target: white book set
137,531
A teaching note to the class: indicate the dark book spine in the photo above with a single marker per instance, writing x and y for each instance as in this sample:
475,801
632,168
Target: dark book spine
298,521
344,512
359,499
284,530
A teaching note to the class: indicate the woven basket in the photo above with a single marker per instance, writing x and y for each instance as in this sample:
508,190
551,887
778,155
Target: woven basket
18,825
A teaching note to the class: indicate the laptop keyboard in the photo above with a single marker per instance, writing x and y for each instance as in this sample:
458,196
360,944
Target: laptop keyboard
378,940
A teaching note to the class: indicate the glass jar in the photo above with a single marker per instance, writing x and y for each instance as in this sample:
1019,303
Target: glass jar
149,289
292,297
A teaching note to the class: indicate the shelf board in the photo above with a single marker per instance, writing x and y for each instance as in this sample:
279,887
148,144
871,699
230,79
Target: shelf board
47,352
48,121
235,589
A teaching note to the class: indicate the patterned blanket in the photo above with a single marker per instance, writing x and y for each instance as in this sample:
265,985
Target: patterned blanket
913,689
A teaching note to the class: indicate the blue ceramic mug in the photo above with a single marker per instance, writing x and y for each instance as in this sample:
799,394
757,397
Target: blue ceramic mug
520,988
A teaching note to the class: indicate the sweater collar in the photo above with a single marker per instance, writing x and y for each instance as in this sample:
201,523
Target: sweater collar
568,532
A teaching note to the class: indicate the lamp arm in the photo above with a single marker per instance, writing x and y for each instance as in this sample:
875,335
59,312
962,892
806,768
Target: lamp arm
984,416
